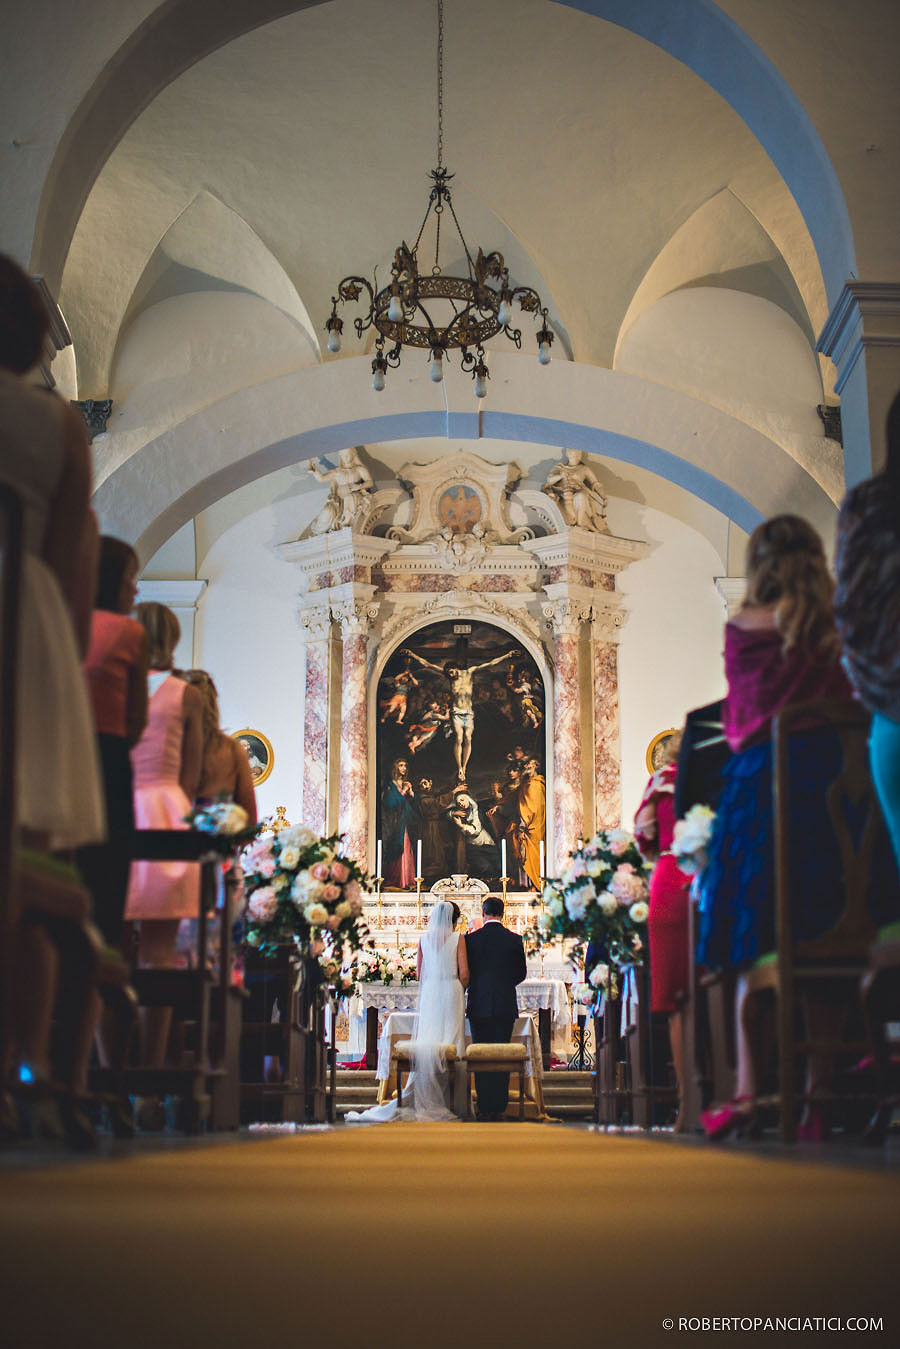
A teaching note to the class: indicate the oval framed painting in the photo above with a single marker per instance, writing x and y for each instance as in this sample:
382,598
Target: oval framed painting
259,752
657,747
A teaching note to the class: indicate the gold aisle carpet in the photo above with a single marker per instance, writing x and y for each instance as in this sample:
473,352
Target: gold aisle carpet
482,1234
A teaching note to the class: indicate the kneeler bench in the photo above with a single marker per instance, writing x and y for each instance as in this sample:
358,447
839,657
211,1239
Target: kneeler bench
403,1058
495,1058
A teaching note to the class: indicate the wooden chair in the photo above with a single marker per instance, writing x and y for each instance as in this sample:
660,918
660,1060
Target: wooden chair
295,1041
828,967
880,995
10,601
646,1044
495,1058
612,1096
212,1067
34,889
697,1085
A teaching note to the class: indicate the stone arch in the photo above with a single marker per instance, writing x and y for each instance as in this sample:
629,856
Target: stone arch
730,465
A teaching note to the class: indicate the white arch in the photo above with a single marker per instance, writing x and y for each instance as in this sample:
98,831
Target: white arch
730,465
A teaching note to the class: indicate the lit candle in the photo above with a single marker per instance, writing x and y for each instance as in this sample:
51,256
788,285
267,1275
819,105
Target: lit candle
503,857
378,858
541,863
419,858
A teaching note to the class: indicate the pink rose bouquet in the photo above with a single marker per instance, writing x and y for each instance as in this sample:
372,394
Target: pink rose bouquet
600,898
305,895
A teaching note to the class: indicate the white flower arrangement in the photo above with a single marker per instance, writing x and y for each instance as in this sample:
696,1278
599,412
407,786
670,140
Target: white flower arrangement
691,839
601,898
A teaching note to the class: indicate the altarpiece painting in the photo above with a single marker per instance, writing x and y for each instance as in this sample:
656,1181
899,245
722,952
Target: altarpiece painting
461,758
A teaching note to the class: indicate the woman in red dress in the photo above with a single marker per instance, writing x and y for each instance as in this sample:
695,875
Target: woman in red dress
667,924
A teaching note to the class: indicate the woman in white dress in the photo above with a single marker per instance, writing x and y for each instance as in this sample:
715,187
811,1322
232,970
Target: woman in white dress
443,972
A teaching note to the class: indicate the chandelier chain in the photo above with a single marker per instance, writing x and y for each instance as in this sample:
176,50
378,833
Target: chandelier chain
440,84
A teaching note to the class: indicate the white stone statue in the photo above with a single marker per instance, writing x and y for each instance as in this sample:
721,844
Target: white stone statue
348,497
576,488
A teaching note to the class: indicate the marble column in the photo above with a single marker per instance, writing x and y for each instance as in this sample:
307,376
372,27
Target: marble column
605,687
355,617
565,617
316,623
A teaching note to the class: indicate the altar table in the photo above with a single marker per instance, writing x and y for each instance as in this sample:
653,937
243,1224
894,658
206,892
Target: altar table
548,997
401,1025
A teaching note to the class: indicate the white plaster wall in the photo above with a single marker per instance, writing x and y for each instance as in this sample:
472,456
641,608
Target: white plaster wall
670,657
248,638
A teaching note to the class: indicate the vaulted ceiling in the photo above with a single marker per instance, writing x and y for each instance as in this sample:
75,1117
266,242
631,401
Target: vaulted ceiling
672,175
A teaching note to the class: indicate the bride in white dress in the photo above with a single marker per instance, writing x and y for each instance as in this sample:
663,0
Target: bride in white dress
440,1020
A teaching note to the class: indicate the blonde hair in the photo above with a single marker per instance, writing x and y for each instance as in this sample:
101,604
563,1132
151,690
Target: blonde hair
163,629
786,567
204,682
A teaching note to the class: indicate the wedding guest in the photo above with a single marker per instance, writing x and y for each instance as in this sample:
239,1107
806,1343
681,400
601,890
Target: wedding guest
116,672
45,458
867,609
167,762
667,924
781,648
225,770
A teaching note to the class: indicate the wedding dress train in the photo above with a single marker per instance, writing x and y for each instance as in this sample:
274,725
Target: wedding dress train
440,1021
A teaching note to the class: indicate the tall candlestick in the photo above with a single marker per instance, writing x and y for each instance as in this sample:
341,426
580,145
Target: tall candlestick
419,858
541,863
378,858
503,856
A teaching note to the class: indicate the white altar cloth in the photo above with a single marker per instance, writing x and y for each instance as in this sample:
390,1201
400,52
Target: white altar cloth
531,993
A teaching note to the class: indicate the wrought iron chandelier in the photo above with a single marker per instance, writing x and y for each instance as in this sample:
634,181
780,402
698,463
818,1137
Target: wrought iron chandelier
434,312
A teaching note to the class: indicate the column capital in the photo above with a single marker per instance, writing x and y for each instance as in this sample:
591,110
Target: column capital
565,614
355,616
607,622
315,622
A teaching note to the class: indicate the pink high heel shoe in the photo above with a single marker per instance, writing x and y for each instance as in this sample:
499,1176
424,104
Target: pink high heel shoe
720,1123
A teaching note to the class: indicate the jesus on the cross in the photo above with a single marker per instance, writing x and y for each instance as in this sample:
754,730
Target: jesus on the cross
462,715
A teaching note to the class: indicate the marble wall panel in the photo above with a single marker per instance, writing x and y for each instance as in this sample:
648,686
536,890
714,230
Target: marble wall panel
354,766
315,737
607,789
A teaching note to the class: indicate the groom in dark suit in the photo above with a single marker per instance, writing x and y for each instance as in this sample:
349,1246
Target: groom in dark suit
496,965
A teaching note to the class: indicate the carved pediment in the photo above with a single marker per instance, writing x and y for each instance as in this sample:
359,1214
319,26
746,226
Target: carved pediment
460,495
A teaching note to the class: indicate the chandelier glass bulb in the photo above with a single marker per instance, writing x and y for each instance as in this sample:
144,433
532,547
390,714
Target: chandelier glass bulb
480,386
395,310
544,353
504,313
437,368
378,380
334,341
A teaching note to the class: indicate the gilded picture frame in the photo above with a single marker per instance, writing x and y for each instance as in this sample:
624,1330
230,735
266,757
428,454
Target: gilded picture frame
259,752
657,746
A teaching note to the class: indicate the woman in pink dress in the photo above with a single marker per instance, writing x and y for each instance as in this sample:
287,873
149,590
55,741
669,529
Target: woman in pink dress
167,762
667,924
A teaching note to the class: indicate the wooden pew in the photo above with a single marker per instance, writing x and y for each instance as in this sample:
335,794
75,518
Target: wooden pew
211,1070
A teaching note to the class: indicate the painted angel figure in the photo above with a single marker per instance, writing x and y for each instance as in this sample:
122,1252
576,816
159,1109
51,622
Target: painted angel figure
349,486
576,488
